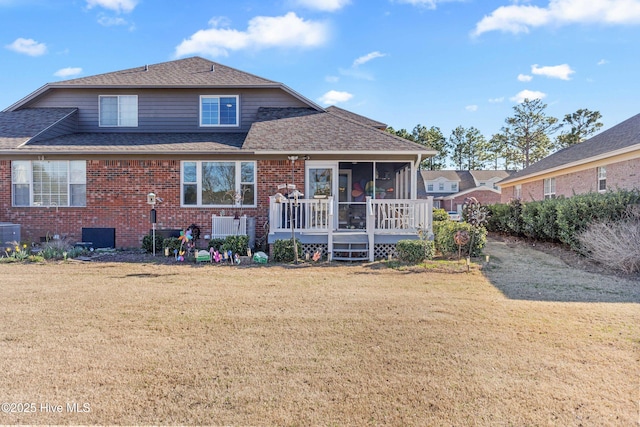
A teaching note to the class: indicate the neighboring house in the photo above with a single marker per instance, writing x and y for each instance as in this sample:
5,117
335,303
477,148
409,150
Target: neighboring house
450,188
608,161
79,158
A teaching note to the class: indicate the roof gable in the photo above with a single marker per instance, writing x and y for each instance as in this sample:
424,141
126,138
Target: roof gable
18,127
188,72
194,72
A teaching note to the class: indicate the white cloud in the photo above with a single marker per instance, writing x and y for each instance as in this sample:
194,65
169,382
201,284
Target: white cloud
68,72
107,21
28,47
562,72
334,97
603,62
496,100
524,78
520,18
528,94
263,32
368,57
324,5
471,108
431,4
118,6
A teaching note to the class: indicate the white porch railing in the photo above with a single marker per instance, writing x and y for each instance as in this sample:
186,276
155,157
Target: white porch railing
305,215
400,216
383,216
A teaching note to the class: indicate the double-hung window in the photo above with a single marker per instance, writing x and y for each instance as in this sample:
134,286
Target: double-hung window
550,188
49,183
429,187
602,178
214,183
219,110
118,110
454,186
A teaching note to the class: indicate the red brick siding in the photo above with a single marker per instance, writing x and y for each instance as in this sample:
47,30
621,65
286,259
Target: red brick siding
622,175
117,198
484,197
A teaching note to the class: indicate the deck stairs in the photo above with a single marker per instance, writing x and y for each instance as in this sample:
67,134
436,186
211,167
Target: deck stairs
350,246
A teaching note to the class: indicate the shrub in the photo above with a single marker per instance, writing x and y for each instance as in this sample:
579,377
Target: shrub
444,238
415,251
216,243
440,215
283,250
578,212
147,243
498,218
614,243
237,244
173,243
540,219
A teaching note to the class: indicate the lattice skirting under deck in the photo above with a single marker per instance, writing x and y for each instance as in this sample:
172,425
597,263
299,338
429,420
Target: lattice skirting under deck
380,251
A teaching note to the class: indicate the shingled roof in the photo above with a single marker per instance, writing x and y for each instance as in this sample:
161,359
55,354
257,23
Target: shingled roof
623,136
194,72
325,131
18,127
140,143
356,117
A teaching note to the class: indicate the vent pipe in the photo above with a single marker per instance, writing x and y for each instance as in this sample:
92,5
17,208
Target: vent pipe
146,67
212,68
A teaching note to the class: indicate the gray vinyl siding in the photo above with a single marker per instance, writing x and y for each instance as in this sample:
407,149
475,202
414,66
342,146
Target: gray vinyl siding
166,110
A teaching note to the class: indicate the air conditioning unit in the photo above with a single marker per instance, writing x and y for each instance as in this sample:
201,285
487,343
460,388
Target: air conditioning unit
9,233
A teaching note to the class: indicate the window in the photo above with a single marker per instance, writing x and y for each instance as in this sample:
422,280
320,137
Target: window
49,183
550,188
441,186
218,110
602,178
429,187
118,110
517,191
454,186
218,183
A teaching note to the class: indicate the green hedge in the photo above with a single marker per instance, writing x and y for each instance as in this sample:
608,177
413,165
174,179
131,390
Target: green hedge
440,214
561,219
444,238
236,244
415,251
283,250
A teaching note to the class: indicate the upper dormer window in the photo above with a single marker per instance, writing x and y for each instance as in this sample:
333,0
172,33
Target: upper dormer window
219,110
118,110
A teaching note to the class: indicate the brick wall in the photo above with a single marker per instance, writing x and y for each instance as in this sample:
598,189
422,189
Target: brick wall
622,175
117,198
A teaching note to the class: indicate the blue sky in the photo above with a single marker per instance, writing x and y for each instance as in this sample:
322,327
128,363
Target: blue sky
438,63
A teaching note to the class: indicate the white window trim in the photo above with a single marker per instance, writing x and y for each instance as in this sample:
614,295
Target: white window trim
30,183
602,176
237,124
118,112
198,183
549,193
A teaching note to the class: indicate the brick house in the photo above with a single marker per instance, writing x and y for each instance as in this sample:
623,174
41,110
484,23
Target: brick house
213,144
450,188
608,161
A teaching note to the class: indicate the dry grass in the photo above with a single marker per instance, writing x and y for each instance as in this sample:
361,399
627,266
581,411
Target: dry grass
349,345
